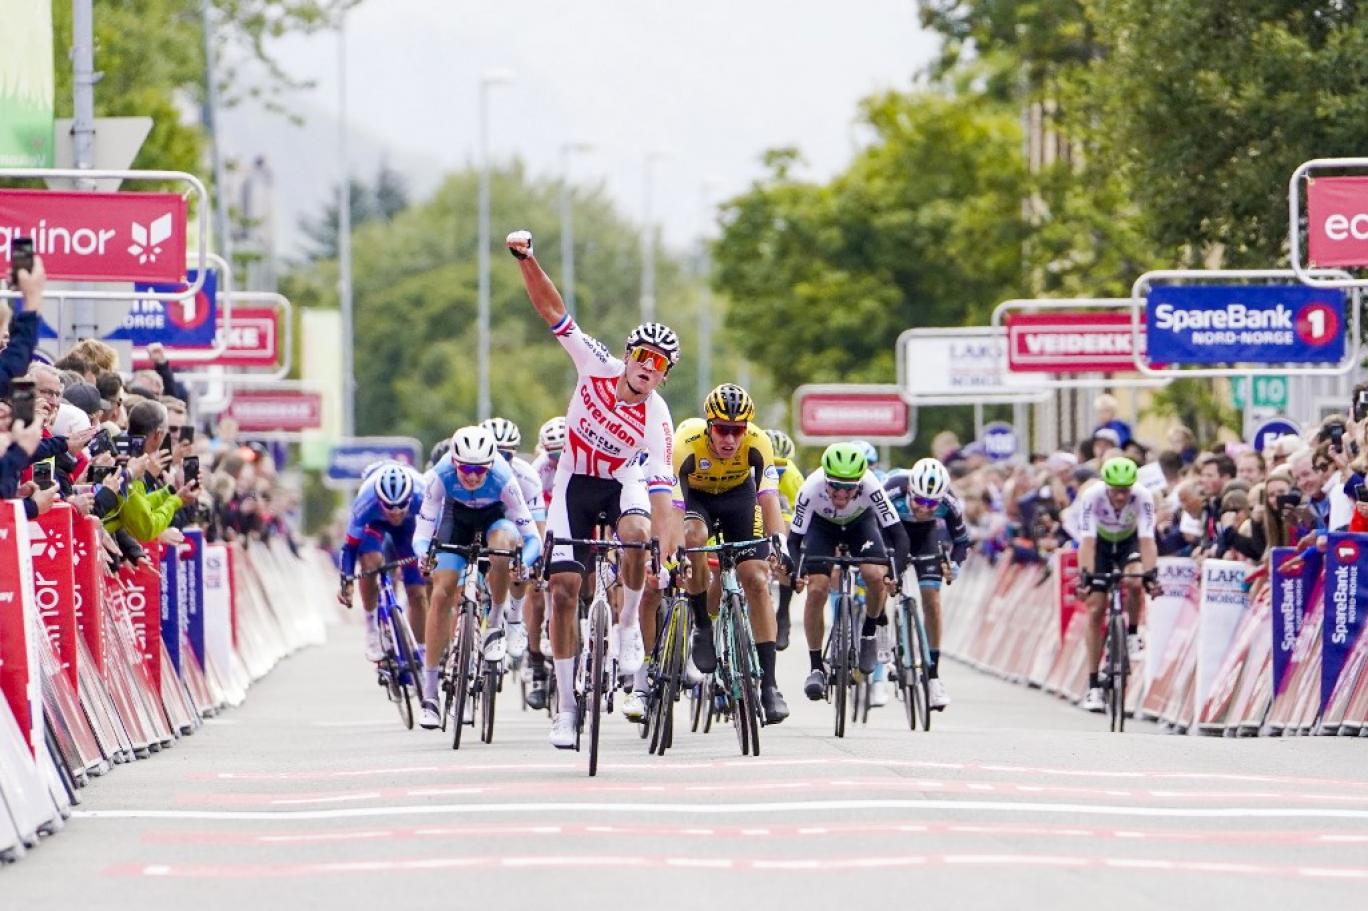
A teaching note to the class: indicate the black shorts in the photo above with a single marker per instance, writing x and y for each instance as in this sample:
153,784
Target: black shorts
924,540
734,514
863,537
460,523
587,502
1114,556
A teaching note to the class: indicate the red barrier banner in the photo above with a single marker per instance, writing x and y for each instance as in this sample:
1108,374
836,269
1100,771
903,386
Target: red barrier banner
54,586
87,553
136,237
19,682
1337,221
142,602
1069,604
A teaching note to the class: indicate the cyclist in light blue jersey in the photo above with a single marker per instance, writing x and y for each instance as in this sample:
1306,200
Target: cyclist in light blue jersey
470,490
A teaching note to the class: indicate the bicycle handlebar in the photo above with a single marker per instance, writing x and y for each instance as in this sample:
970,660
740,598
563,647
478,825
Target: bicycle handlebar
381,570
598,546
726,545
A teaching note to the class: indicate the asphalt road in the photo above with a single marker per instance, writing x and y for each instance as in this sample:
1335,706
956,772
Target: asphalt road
312,796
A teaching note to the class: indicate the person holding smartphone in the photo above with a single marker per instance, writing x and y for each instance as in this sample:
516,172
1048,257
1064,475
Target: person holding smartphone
19,334
143,506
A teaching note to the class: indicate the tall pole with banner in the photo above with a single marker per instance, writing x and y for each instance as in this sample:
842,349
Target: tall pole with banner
82,128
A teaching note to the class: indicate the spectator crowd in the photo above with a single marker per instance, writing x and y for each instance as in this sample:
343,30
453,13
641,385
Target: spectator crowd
124,445
1226,500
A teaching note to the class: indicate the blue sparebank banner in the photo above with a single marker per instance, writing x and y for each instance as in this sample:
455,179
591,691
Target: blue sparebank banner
1346,600
1293,580
1244,324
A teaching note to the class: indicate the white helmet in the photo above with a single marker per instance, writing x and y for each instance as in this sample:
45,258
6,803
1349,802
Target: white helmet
658,336
473,445
394,487
929,479
506,433
552,435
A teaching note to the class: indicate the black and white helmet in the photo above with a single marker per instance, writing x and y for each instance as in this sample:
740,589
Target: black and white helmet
552,435
506,434
473,445
928,479
658,336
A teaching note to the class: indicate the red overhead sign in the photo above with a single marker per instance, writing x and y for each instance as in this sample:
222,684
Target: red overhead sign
1337,221
136,237
833,412
262,411
252,338
1070,343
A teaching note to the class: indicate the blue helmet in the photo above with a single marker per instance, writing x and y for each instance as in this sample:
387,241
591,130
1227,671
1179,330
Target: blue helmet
394,486
870,453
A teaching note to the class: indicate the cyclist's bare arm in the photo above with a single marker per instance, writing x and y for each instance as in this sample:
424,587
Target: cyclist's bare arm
667,523
1087,554
540,289
1149,553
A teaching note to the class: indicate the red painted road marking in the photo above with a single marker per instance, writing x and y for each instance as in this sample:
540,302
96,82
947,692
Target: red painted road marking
814,864
405,833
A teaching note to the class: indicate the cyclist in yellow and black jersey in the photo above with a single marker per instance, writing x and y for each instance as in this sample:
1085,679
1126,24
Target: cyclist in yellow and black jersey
790,482
728,483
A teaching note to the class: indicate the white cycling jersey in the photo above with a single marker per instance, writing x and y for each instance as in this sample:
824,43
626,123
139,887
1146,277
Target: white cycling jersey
531,486
1097,518
545,467
603,435
814,500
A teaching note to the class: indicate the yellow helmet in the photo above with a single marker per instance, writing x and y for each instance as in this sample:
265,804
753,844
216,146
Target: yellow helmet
729,403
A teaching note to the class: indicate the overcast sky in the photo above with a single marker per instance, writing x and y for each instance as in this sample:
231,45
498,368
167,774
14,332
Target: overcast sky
711,84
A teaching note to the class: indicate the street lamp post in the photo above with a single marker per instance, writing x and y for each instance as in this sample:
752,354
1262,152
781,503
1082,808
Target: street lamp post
705,299
568,224
648,244
490,79
344,254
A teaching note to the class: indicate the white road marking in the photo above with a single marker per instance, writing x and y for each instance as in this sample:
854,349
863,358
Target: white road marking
732,809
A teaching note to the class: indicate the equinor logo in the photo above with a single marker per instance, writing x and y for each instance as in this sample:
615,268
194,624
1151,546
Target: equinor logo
147,240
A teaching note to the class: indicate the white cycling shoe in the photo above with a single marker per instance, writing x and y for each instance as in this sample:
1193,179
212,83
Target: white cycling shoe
1135,646
1094,701
495,645
374,650
631,651
517,639
563,730
692,675
634,706
431,719
878,693
938,697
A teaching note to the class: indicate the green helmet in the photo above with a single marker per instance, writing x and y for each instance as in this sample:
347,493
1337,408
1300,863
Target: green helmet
1119,472
844,462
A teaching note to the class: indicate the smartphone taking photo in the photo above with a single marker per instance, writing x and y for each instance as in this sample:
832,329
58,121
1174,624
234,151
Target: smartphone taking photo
22,398
42,474
21,257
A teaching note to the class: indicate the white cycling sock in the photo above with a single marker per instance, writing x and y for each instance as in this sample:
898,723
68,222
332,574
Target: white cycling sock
631,604
639,681
370,621
430,683
565,683
515,606
496,612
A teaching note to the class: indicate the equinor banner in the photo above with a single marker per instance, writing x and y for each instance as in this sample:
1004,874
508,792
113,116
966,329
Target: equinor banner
26,84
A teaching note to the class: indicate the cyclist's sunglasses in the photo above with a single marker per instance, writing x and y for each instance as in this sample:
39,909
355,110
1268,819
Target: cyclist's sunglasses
926,502
472,471
396,507
727,430
650,357
843,485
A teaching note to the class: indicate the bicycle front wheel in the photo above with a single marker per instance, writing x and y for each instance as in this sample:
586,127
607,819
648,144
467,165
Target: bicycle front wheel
406,660
747,676
463,674
598,678
920,682
1118,663
489,686
840,662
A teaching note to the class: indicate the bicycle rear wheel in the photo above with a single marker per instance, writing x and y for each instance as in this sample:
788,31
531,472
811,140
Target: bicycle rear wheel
463,674
489,686
1118,665
598,677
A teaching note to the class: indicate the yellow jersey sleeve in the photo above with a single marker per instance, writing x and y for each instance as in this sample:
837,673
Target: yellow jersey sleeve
790,482
762,457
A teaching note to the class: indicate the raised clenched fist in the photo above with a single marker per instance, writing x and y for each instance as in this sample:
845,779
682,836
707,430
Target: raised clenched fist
520,244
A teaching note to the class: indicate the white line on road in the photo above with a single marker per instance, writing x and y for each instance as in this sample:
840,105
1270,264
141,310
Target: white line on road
706,809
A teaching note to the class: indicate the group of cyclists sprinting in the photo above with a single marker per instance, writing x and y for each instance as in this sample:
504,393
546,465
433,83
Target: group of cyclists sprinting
616,462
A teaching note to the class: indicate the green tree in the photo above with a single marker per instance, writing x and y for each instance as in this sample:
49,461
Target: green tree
383,200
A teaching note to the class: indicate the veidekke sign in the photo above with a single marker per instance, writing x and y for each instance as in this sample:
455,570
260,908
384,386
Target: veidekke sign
137,237
252,340
1070,343
1337,221
263,411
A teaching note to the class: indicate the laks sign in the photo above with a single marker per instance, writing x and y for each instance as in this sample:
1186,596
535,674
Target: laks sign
258,411
98,236
874,413
1337,221
1070,343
